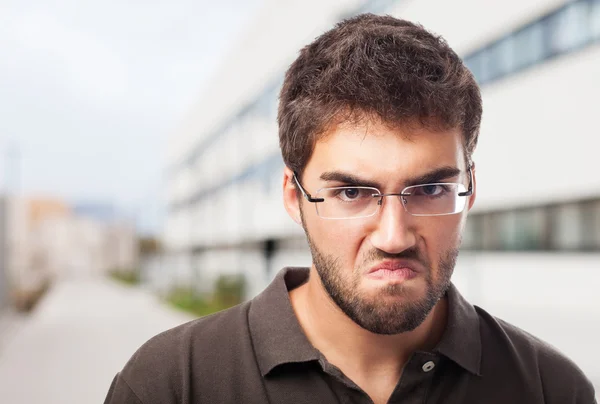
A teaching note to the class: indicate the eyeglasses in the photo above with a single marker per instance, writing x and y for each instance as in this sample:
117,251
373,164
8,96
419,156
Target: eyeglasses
353,202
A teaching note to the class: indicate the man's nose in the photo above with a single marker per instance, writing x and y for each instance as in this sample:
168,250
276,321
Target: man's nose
393,232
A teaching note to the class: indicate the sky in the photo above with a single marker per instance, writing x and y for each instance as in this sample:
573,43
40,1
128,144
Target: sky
90,91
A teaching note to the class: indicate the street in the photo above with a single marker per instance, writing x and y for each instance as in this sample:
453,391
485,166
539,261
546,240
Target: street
80,335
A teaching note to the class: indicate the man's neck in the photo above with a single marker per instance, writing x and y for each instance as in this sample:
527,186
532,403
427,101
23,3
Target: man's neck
349,346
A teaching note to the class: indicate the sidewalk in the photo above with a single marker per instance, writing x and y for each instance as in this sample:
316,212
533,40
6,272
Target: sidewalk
10,324
81,334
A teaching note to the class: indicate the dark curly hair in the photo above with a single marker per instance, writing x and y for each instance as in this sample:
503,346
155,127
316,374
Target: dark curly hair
375,67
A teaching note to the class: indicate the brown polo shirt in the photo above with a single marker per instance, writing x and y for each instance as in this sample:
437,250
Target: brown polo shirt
257,353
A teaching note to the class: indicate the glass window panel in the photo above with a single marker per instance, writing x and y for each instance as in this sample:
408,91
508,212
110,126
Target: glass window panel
473,62
492,227
531,229
500,58
489,231
595,19
591,224
569,27
505,55
567,230
508,231
515,230
493,59
529,46
472,236
485,73
595,231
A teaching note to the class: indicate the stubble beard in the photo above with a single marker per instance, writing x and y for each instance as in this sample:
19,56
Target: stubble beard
377,314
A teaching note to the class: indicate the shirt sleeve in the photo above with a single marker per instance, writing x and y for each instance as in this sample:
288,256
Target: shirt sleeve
121,393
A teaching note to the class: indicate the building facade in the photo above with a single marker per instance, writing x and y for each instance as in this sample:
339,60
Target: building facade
537,62
531,249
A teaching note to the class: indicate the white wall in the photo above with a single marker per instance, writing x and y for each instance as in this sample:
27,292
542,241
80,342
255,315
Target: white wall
539,134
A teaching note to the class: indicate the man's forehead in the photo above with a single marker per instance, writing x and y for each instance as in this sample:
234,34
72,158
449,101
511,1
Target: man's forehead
382,141
383,154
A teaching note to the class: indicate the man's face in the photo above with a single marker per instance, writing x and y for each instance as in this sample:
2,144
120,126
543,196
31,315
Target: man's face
420,251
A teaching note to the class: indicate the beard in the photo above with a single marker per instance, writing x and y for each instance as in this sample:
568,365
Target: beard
378,315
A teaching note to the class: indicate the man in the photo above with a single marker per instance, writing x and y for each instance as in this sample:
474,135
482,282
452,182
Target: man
378,120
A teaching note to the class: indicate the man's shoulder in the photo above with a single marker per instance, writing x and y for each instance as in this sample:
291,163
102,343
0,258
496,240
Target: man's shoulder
527,345
532,359
212,331
202,346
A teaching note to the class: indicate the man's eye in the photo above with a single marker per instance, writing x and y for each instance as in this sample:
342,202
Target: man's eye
430,190
351,193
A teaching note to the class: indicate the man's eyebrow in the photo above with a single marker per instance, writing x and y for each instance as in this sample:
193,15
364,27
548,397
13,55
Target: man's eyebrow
349,179
437,175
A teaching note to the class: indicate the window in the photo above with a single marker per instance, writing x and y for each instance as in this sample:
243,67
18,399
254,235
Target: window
590,212
505,56
532,229
474,62
498,60
473,232
594,19
568,29
573,226
490,234
529,46
521,229
490,61
567,227
485,66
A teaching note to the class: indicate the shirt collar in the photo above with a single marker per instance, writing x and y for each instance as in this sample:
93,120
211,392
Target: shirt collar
278,337
461,341
276,333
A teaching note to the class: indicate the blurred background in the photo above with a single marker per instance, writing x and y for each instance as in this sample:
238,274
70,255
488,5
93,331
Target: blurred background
140,173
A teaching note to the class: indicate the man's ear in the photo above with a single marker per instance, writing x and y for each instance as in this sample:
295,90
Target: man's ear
290,195
473,196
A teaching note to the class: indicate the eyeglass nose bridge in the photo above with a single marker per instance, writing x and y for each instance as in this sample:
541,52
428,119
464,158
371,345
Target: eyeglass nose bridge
400,194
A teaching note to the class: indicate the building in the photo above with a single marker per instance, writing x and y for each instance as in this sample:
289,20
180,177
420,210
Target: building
43,239
224,168
531,251
537,62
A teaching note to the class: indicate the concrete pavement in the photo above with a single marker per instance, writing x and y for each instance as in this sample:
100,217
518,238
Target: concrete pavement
80,335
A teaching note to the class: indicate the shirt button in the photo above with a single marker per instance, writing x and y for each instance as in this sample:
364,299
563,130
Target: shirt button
428,366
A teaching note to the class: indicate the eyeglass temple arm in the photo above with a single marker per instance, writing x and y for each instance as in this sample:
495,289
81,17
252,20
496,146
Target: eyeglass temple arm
306,194
470,190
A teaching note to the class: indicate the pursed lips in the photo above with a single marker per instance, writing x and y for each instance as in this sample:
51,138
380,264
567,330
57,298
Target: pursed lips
394,270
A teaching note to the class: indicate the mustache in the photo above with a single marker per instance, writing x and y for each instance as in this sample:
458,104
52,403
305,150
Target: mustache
408,254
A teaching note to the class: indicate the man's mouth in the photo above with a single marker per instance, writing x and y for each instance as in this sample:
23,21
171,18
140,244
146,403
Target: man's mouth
393,270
